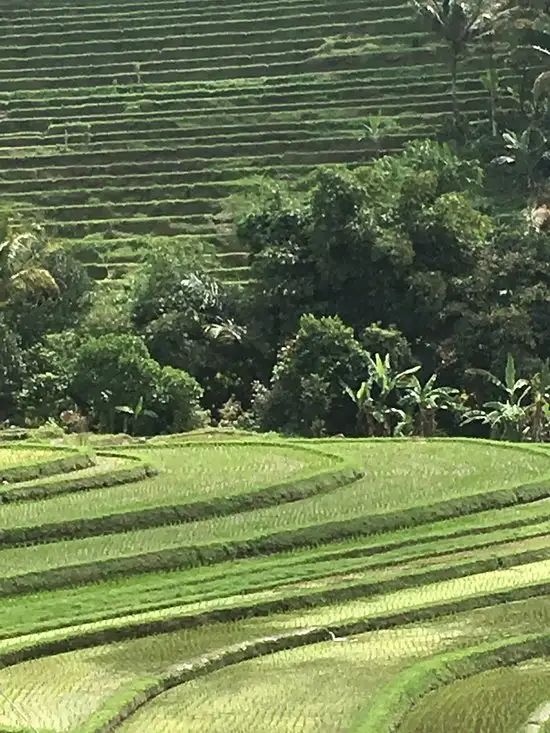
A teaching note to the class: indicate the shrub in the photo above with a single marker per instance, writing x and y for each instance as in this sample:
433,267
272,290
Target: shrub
306,395
177,401
113,370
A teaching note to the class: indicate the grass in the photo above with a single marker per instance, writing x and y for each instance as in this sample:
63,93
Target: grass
304,570
182,480
399,475
329,684
262,83
12,456
406,595
499,701
348,674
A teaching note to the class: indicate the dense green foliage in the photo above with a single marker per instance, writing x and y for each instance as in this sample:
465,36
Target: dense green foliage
236,229
357,276
399,258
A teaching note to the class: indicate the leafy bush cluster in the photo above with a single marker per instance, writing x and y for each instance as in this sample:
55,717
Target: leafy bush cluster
377,296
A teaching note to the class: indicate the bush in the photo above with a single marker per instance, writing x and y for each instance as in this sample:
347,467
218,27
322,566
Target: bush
45,390
110,371
35,315
177,401
306,395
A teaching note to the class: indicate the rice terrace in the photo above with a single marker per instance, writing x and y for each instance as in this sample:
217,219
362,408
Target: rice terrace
226,582
274,366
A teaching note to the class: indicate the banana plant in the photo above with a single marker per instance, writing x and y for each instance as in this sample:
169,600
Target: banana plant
384,376
424,402
507,419
133,414
376,127
368,416
375,414
538,412
524,151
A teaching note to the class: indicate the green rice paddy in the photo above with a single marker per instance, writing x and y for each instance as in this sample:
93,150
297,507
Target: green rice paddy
194,624
134,122
225,582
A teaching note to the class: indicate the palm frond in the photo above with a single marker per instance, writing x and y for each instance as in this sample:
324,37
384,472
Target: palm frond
486,375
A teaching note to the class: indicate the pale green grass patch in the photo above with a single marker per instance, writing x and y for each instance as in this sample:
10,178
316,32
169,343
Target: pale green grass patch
300,569
23,455
315,689
57,692
102,463
498,701
396,477
426,595
364,666
194,473
362,609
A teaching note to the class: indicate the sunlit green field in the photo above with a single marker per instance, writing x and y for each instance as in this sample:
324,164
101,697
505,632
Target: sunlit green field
239,622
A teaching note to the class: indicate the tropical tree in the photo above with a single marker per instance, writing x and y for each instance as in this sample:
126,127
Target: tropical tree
424,401
507,419
538,412
21,271
368,416
458,23
492,85
524,152
376,399
134,413
376,127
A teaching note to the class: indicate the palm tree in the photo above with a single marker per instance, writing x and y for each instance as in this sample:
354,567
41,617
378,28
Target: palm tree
458,23
426,400
492,85
21,271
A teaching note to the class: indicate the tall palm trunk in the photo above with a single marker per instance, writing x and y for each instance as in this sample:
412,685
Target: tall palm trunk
454,71
493,87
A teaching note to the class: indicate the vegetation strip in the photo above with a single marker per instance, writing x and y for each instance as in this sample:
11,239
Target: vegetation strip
130,698
21,649
73,484
288,491
269,573
406,689
196,555
33,469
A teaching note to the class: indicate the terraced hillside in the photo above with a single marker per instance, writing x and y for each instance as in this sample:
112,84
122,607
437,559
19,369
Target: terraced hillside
273,586
128,121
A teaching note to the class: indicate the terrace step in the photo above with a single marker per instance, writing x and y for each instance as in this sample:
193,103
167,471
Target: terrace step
227,91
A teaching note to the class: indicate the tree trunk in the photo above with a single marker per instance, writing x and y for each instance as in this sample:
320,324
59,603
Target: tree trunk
493,89
454,71
427,423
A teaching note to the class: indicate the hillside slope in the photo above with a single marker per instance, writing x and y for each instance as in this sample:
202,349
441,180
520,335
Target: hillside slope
125,121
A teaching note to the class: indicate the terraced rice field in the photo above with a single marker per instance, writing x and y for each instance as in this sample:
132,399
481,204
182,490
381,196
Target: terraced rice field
241,585
132,121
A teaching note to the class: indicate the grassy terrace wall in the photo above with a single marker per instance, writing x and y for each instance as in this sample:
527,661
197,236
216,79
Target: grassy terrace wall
245,585
126,121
